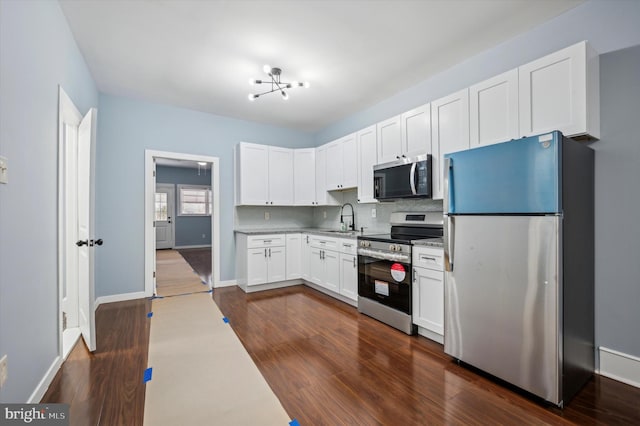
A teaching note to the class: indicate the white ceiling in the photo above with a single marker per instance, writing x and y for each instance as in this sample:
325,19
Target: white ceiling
200,54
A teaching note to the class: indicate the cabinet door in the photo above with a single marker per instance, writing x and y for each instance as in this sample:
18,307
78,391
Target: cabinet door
323,198
304,177
389,139
253,174
349,276
334,165
428,299
416,131
367,158
553,93
450,121
280,176
306,255
294,256
349,162
277,265
257,266
316,266
493,110
331,270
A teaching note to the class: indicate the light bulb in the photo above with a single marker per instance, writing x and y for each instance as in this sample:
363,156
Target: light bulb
306,84
267,69
285,95
252,97
295,84
252,81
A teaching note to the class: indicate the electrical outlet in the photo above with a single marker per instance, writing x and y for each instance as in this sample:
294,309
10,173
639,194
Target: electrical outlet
373,212
4,170
324,214
267,216
3,370
204,236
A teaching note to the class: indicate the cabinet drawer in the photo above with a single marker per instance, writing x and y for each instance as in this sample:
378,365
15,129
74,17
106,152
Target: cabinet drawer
327,243
258,241
347,246
428,257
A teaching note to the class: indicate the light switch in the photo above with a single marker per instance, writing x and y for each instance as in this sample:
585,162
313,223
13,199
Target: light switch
267,216
4,170
373,212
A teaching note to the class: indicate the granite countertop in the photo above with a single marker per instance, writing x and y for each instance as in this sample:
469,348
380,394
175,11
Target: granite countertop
429,242
319,231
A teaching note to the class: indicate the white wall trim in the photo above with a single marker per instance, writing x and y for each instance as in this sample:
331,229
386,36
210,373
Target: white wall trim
42,387
227,283
193,246
619,366
120,297
149,230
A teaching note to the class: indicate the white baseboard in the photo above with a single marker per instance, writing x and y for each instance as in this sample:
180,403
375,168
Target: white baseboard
120,297
619,366
227,283
42,387
195,246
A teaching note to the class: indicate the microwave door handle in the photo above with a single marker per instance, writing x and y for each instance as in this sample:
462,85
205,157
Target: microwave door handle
412,179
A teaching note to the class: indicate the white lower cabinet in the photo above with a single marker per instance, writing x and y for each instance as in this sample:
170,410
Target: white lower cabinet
324,268
428,292
266,265
305,254
294,256
349,276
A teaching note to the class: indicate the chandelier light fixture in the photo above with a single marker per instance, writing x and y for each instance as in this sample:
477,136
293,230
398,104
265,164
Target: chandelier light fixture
276,84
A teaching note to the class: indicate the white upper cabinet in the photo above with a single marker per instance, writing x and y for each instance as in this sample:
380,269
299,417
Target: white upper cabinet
304,177
264,175
342,157
367,158
389,139
280,176
252,172
450,121
416,131
493,110
323,197
561,92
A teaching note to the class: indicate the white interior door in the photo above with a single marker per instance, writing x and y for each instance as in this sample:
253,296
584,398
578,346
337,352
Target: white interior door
86,291
165,215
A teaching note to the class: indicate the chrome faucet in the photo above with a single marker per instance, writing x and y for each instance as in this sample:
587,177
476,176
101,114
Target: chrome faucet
352,226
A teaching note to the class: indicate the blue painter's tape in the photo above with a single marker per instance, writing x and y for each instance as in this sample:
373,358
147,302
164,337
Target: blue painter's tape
210,290
225,319
150,314
147,375
294,422
203,282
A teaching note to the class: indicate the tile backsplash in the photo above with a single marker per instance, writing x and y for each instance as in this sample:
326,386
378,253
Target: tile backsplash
253,217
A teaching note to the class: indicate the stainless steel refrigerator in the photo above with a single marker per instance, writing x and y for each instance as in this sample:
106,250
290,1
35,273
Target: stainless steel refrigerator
519,255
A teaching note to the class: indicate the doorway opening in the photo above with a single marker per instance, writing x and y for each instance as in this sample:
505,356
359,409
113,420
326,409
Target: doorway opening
189,228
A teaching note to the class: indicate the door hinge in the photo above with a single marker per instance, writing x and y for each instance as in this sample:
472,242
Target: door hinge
154,274
154,173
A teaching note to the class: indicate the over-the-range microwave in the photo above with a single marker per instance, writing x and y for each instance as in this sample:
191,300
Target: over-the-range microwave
404,178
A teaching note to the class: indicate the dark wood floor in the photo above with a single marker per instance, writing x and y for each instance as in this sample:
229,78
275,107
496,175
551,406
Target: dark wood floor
105,387
200,260
330,365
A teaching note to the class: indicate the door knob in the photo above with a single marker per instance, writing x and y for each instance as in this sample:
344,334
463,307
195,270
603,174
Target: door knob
81,243
98,242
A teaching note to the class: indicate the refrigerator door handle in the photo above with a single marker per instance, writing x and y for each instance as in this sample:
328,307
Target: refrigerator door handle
446,175
449,237
412,179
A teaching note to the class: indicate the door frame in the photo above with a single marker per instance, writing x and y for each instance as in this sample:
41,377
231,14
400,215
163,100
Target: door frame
149,230
170,187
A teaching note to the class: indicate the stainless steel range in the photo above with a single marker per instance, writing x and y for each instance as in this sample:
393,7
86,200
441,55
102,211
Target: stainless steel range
385,274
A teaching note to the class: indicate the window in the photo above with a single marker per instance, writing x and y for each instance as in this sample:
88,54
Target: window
161,206
194,200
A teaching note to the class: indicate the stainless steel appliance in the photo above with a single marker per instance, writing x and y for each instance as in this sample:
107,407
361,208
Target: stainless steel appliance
384,268
519,252
404,178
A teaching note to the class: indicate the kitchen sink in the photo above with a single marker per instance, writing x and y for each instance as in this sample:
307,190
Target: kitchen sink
350,233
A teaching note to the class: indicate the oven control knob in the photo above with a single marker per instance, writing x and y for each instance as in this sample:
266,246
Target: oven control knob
392,247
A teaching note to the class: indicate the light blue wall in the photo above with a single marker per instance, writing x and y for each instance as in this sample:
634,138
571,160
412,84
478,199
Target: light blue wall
126,128
608,25
37,53
189,230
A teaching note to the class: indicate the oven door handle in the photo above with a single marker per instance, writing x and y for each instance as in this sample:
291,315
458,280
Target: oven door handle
395,257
